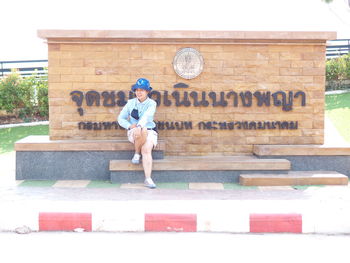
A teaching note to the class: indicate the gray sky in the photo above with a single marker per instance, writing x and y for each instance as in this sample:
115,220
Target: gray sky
22,18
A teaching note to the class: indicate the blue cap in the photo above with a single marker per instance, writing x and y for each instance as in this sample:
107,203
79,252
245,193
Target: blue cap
141,84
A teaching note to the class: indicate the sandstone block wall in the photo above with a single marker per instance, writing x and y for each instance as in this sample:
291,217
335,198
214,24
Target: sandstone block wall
111,61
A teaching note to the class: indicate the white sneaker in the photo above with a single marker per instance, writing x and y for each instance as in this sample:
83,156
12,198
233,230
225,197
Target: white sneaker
149,183
136,158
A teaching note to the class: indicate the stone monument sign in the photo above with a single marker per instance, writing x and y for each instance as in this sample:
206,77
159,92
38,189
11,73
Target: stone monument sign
218,92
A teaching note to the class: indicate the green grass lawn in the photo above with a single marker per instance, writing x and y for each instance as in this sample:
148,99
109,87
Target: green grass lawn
338,110
9,136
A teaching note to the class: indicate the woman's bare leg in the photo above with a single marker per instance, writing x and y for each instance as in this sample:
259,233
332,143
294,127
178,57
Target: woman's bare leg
147,160
140,138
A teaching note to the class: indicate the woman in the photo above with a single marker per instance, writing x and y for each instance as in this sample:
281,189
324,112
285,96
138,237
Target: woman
137,117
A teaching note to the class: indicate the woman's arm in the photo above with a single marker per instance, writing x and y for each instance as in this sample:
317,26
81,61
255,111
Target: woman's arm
148,114
123,117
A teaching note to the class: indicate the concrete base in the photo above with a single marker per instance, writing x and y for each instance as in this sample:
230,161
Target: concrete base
39,158
66,165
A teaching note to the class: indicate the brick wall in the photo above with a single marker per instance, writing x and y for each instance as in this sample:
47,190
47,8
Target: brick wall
270,65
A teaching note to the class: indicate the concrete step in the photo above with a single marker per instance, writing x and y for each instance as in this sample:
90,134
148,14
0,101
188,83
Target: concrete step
225,169
205,163
294,178
309,157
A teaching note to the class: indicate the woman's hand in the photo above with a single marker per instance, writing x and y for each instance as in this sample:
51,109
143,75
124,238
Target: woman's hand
137,132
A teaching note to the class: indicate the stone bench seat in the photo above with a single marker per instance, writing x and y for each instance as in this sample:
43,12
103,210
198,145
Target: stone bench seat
43,143
297,150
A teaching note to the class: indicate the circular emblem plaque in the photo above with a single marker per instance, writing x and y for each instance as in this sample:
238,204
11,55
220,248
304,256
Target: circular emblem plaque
188,63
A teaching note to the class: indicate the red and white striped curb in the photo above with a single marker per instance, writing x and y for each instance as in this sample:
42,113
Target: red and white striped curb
229,216
159,222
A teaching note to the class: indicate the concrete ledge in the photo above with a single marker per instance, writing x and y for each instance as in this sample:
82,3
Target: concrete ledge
297,150
294,178
43,143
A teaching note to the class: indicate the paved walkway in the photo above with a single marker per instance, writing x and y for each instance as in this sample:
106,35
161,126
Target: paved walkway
100,206
3,126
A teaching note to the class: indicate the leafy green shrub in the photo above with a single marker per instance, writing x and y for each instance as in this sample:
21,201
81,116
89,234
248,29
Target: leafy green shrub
12,93
338,68
40,100
337,72
347,66
43,101
335,69
25,96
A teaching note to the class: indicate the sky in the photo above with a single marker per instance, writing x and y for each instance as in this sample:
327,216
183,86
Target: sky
22,18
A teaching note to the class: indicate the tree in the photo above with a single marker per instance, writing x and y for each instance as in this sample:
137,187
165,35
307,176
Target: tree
330,1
